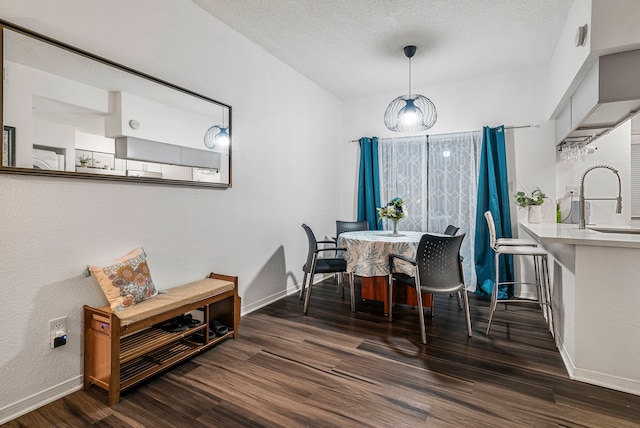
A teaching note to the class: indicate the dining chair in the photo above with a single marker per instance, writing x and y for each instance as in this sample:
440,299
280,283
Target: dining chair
350,226
438,270
541,269
316,264
451,230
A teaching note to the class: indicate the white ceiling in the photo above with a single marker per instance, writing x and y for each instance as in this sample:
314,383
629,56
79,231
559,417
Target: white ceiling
353,48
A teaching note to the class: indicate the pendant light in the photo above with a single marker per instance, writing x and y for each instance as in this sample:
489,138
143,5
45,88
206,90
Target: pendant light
217,137
410,113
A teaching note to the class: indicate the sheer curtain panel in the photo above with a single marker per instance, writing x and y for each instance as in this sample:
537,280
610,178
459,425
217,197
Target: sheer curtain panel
403,173
436,176
453,189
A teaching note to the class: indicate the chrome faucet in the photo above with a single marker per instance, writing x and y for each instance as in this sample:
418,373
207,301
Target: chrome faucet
581,222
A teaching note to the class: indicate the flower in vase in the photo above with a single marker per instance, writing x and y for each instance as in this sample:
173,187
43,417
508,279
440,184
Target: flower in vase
394,210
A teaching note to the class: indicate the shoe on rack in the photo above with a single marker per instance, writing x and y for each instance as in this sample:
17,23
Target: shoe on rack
172,326
219,328
188,320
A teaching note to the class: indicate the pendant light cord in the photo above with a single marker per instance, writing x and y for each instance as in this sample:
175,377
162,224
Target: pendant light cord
409,77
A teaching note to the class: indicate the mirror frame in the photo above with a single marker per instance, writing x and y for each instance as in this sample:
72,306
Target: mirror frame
71,174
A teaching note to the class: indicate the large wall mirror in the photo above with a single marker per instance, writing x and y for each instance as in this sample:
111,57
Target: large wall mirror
67,112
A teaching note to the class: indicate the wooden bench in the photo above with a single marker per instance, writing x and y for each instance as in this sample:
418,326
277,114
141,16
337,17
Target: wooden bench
122,349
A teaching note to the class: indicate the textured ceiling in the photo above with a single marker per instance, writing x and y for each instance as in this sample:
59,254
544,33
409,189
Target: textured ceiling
353,48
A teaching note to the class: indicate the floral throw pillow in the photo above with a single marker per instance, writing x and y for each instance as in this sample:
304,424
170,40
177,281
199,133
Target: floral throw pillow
126,283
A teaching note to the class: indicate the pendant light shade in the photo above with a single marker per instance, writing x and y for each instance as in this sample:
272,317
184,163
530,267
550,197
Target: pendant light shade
413,112
217,137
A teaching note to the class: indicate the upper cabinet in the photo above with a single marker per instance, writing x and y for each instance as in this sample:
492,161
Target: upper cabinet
608,96
67,112
563,123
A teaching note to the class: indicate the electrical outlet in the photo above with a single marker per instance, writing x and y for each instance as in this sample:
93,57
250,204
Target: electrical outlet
573,189
58,331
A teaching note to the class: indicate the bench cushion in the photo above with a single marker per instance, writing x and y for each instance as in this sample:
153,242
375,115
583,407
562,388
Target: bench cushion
174,298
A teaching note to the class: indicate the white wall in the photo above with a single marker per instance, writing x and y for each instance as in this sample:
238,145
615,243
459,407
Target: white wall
51,228
569,63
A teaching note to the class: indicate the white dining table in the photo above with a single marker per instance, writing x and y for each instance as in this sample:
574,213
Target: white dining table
367,256
368,250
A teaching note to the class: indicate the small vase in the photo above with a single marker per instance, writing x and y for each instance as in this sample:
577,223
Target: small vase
395,226
535,214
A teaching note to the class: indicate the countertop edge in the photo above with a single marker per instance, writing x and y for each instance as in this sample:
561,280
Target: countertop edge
553,233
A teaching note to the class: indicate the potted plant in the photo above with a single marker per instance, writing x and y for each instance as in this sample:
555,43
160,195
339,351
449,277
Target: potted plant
533,202
84,161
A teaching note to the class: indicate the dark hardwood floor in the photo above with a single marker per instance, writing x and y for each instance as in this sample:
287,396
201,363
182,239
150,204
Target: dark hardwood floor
338,369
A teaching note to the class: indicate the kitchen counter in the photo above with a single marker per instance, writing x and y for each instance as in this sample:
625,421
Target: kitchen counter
616,235
595,298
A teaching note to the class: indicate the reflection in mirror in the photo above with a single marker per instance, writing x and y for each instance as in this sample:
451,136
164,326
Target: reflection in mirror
66,112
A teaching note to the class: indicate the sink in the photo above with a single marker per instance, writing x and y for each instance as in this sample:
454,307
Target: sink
616,229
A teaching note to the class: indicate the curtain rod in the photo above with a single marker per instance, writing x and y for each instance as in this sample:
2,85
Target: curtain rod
522,126
506,127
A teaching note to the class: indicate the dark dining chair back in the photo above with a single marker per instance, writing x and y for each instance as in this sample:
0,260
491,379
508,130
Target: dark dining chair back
438,270
350,226
316,264
438,263
451,230
311,250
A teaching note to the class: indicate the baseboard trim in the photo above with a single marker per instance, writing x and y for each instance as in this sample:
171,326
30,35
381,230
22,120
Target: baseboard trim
607,381
566,358
39,399
596,378
263,302
277,296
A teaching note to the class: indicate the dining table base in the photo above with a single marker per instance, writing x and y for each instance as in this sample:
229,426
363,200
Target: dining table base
376,288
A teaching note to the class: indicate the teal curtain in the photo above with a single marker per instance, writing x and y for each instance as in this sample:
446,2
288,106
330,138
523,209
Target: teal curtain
493,195
369,183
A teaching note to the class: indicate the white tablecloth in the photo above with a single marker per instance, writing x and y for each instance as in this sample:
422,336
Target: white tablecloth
368,251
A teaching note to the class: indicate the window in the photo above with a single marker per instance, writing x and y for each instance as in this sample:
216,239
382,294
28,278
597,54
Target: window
437,176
